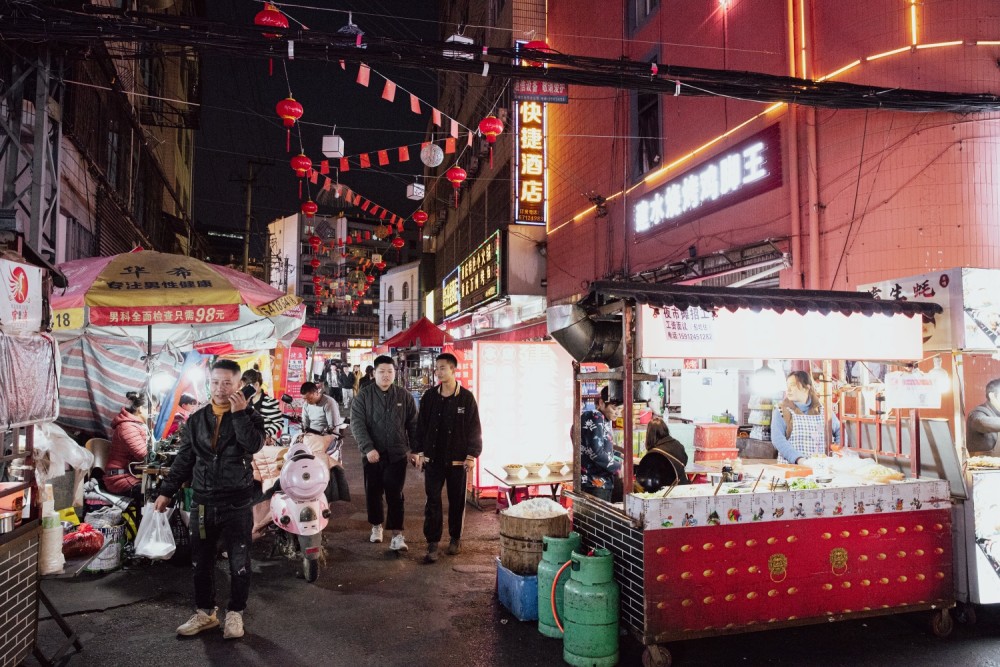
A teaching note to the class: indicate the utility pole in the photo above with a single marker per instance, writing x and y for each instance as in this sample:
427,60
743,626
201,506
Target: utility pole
250,180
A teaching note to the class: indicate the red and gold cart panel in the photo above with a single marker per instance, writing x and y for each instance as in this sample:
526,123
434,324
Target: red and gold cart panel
743,577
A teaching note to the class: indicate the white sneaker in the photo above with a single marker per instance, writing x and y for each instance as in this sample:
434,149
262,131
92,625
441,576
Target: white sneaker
199,622
398,544
233,628
376,534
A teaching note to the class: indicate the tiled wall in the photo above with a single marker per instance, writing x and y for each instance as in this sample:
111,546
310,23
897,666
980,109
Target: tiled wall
18,602
600,528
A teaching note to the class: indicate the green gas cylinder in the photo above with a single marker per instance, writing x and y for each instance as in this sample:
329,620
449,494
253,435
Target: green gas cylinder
590,599
555,552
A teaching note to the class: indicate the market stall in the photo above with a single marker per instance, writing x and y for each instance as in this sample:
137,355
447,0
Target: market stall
767,552
961,352
414,350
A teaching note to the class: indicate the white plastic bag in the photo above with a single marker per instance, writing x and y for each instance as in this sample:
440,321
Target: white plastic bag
154,539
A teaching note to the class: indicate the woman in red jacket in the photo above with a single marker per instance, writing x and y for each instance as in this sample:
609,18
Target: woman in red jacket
129,443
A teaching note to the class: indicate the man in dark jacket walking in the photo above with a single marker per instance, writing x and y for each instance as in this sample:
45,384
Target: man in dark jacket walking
217,447
384,422
449,439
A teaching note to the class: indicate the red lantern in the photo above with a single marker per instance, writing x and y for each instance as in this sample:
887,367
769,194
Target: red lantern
314,262
380,266
309,208
289,111
370,279
300,165
270,17
419,217
398,243
315,242
536,45
491,127
368,235
455,176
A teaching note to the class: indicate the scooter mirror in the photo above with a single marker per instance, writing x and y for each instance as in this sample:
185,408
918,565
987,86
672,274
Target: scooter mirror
286,398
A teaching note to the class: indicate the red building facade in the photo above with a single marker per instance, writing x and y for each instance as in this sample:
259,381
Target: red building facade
851,196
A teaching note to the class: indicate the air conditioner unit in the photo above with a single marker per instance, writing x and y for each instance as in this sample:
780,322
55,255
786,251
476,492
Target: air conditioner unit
458,55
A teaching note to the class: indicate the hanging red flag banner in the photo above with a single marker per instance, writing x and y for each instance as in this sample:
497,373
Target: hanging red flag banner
357,200
374,210
389,92
343,65
436,117
324,167
328,185
470,138
414,103
383,158
364,206
363,74
454,128
404,154
343,164
365,160
313,176
449,145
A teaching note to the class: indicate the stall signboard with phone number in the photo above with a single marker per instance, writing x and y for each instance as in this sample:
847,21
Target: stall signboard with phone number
20,296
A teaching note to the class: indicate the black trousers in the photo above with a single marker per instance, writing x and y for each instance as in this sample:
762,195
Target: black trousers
234,526
437,476
385,479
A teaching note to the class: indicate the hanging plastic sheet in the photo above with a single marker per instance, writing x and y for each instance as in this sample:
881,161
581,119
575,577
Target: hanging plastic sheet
28,378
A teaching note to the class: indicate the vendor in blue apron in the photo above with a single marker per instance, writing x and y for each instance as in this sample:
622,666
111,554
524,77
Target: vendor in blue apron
797,428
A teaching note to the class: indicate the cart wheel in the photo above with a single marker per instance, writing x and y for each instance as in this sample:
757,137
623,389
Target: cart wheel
965,613
941,623
657,655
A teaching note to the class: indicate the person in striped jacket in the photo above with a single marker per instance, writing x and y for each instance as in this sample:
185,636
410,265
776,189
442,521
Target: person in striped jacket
264,405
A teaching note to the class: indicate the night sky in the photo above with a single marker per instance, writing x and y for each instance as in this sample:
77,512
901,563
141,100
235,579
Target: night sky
238,121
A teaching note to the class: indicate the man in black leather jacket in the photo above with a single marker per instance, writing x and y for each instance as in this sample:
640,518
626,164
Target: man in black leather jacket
216,450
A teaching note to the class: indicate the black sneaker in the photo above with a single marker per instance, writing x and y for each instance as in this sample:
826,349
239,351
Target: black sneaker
454,547
432,553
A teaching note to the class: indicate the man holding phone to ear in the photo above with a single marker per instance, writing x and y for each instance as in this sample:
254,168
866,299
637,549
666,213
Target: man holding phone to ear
215,455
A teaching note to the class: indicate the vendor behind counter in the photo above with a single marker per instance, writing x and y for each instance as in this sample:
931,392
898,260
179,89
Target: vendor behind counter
797,426
983,423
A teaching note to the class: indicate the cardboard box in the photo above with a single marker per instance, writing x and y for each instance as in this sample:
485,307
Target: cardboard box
716,454
518,593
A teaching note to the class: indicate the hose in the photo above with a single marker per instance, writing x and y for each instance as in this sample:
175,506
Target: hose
552,597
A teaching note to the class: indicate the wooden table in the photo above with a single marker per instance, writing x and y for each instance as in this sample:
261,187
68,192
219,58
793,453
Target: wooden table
510,485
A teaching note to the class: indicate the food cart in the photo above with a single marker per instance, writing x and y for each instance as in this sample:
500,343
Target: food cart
961,348
720,559
415,350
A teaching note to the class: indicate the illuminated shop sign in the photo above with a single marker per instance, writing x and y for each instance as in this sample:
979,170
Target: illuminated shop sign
361,343
479,274
540,91
530,183
748,169
449,294
475,281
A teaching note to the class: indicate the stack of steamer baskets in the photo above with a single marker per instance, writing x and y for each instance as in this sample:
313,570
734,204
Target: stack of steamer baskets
715,442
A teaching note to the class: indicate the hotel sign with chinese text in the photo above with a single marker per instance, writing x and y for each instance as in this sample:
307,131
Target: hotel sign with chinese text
541,91
749,168
530,180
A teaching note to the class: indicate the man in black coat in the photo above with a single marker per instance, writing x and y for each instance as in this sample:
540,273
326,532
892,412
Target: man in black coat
217,447
449,439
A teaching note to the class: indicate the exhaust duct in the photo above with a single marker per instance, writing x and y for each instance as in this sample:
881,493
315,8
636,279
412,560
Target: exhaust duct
586,339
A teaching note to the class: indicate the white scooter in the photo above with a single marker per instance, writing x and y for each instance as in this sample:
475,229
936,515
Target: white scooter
300,506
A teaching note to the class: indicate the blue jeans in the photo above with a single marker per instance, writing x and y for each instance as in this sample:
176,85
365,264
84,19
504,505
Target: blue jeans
234,526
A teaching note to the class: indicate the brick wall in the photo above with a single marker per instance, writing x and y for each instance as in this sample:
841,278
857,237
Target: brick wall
600,528
18,601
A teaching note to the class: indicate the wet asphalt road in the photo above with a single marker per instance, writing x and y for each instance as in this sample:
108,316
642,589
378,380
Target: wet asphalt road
370,607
